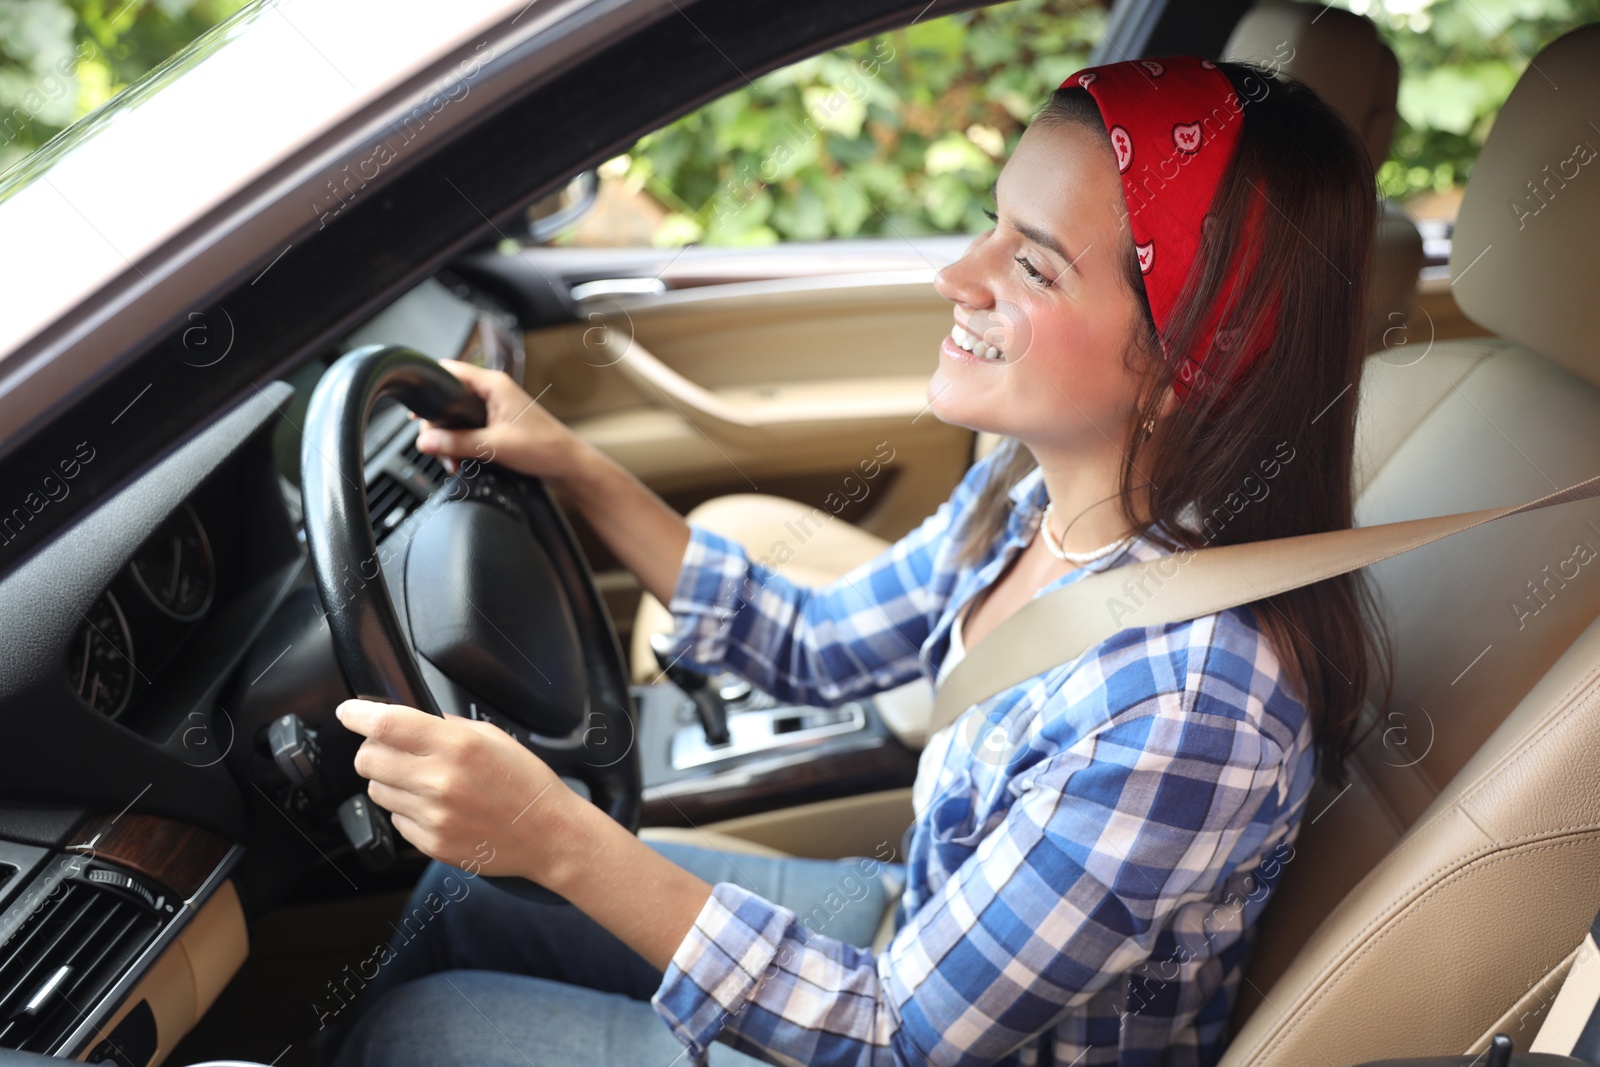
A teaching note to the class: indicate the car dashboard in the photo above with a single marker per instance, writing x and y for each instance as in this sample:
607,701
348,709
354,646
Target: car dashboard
142,665
149,658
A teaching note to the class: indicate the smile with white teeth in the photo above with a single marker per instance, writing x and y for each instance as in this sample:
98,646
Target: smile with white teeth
976,345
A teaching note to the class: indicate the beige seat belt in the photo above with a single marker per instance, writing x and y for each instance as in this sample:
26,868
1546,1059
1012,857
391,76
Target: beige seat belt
1058,627
1572,1028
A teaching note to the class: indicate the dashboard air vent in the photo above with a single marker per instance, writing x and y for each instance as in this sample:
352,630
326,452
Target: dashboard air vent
430,466
388,502
64,959
405,481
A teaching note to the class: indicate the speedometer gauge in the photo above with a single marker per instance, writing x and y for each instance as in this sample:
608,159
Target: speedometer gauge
100,665
175,568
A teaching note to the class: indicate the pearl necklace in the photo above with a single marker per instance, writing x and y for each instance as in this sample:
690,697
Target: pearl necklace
1080,558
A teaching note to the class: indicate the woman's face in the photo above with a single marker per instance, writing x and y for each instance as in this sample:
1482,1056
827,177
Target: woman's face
1046,285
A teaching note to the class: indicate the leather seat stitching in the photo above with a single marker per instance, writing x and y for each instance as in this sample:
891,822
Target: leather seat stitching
1330,978
1423,886
1561,709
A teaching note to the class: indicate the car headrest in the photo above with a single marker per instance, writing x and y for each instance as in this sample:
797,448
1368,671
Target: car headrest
1337,53
1526,248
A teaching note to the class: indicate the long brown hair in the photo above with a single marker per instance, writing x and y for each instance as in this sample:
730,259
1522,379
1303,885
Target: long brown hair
1287,434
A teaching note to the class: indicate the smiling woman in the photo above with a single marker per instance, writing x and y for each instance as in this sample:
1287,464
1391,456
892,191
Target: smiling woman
1145,336
1136,453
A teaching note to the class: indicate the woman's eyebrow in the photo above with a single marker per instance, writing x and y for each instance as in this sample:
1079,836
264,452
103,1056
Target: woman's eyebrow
1038,236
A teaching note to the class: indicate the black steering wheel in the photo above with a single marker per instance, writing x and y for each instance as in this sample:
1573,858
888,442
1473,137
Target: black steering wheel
479,603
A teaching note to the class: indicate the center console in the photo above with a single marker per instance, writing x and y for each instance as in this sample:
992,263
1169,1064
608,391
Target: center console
714,747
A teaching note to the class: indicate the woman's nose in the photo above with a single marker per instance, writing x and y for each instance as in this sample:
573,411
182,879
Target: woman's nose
962,281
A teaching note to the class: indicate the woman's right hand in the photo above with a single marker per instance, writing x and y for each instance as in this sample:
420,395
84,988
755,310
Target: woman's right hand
520,434
640,529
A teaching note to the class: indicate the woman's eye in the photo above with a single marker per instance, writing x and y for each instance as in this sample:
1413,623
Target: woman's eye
1033,273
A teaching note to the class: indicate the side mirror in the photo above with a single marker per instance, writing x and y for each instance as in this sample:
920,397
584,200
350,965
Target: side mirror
551,214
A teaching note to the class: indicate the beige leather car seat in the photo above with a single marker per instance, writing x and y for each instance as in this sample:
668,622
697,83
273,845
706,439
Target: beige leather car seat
1439,897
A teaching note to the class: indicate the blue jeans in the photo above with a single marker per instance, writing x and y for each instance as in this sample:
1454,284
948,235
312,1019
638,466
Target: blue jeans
474,975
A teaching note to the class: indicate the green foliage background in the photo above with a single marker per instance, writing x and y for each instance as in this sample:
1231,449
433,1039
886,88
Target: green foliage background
1458,62
900,134
916,143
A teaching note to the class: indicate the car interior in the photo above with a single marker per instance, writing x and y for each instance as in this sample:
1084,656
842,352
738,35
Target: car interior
1438,898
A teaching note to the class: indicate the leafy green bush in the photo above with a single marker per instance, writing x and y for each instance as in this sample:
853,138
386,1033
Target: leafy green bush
904,133
1458,62
901,134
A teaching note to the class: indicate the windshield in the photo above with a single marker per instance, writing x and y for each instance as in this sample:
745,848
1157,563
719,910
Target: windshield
30,106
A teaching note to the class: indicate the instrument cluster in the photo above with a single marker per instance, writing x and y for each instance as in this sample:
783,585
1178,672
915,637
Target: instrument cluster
130,631
169,589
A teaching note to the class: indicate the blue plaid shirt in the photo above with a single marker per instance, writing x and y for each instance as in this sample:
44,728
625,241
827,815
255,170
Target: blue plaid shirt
1091,849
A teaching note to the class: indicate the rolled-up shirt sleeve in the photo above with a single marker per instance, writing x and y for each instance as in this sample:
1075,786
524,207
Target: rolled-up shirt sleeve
1103,841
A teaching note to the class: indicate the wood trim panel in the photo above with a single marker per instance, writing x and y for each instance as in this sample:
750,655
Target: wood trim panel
175,854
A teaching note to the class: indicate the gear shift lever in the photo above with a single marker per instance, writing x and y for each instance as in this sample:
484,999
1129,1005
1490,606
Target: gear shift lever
708,701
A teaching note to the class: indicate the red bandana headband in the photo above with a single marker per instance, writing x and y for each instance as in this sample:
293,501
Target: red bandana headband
1174,123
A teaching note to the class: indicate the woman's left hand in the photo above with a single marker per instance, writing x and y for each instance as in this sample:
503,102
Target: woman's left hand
463,791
